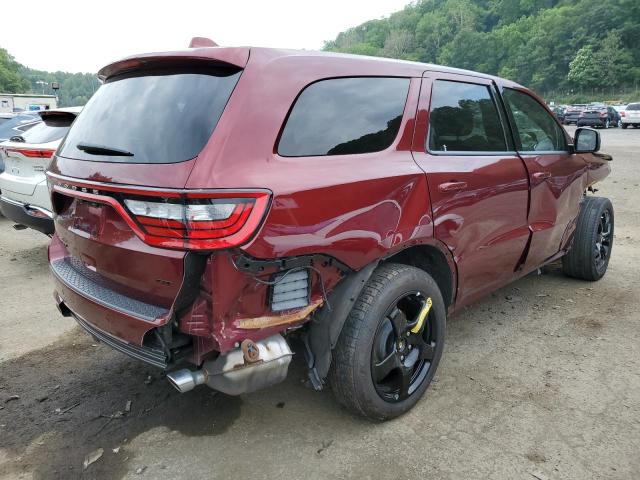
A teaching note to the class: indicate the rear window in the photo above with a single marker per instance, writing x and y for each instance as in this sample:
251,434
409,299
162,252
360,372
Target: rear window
49,130
155,116
345,116
633,106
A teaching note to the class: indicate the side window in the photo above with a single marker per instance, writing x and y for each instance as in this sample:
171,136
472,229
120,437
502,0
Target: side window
345,116
464,118
536,129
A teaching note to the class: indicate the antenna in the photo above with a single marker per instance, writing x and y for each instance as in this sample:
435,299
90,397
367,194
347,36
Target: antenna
198,42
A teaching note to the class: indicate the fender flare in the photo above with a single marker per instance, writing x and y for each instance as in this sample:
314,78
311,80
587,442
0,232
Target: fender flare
325,327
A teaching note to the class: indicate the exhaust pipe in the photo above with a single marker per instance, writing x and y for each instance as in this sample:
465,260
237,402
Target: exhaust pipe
251,367
185,380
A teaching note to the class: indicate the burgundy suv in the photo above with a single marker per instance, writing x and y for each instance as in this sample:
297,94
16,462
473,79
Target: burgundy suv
212,204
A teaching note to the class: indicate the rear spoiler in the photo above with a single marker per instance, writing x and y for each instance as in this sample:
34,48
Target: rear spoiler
60,113
225,56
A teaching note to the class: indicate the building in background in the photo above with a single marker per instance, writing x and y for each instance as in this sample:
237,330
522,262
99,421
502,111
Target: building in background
18,102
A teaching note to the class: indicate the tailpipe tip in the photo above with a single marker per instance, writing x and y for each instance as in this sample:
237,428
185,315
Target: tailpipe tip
185,380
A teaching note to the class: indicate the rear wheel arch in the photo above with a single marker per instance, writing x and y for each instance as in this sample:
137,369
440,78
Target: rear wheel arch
437,261
324,330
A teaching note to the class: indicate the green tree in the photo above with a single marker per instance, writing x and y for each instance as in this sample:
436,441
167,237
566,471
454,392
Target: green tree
11,81
584,69
534,42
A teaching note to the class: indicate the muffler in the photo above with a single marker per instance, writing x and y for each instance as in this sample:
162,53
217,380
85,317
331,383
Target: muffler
253,366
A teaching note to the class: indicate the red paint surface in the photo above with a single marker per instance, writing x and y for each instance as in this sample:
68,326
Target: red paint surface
479,210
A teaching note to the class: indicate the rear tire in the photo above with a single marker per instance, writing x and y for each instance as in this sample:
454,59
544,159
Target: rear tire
624,126
590,252
379,370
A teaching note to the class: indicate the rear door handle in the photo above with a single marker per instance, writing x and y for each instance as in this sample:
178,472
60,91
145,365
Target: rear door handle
452,186
541,175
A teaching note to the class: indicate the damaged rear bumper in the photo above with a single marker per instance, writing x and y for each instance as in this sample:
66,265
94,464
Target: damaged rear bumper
152,356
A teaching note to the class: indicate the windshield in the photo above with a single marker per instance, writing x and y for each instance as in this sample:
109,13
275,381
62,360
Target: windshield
151,116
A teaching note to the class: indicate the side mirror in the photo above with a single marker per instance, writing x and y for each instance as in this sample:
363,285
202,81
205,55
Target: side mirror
586,140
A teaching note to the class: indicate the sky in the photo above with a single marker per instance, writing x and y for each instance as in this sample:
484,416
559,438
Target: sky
83,36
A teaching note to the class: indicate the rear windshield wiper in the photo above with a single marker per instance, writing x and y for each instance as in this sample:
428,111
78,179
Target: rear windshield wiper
93,149
17,138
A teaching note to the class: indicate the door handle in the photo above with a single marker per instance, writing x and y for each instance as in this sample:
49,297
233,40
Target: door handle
452,186
541,175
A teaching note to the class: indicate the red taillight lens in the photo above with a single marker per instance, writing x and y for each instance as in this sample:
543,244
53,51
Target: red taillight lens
201,219
32,152
198,221
603,115
179,219
622,114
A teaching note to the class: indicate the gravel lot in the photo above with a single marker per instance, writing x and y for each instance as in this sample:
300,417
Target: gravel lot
540,380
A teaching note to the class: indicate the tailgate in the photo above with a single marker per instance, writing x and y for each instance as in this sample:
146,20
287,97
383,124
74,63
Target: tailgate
594,115
22,173
97,239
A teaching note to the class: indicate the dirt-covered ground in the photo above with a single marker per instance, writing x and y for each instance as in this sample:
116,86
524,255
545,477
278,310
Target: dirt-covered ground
540,380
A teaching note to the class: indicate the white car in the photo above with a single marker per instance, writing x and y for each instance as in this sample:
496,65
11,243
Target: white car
631,115
24,197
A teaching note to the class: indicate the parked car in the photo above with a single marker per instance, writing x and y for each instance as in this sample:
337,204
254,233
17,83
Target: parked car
559,113
24,196
374,198
631,115
4,117
13,125
572,113
599,116
16,124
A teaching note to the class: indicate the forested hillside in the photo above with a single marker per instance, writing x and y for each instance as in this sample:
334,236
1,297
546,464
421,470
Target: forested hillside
549,45
75,88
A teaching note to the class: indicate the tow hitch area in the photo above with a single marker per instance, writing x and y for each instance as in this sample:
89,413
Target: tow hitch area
253,366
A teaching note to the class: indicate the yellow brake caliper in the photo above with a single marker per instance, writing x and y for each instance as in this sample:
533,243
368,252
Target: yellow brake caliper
422,315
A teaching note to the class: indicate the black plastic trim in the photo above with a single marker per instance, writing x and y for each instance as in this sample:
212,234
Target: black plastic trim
87,283
19,214
154,357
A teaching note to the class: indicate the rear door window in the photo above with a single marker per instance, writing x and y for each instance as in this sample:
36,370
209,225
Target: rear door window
345,116
154,116
536,129
464,118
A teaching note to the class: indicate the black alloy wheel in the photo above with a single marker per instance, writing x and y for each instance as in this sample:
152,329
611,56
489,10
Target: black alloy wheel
403,348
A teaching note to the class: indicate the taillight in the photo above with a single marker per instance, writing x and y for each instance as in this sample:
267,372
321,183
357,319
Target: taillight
603,115
622,114
192,219
32,152
180,219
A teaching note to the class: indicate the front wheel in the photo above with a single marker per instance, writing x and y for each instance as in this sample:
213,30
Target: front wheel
391,343
590,252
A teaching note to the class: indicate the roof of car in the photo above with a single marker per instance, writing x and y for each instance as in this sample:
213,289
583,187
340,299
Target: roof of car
239,56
